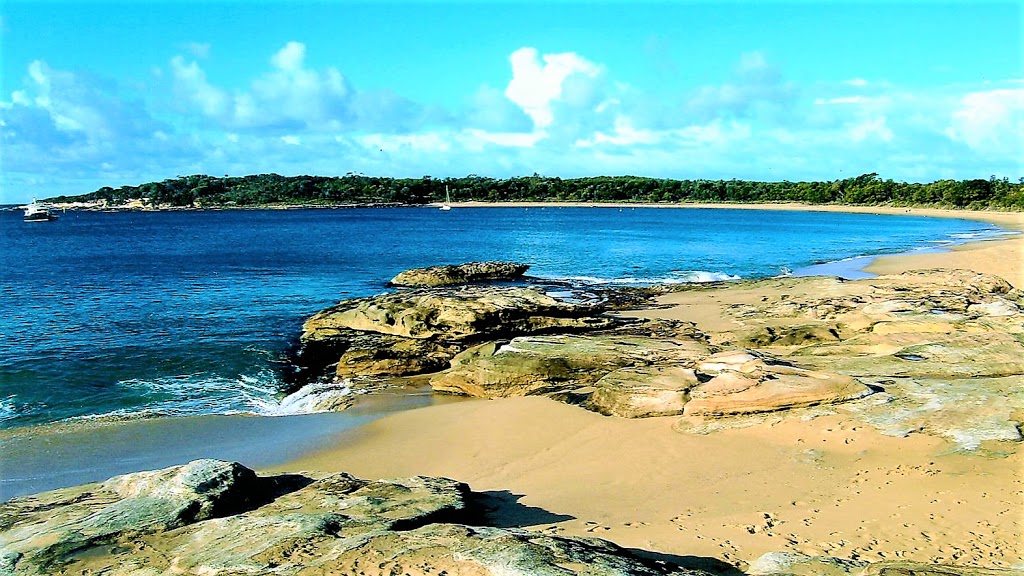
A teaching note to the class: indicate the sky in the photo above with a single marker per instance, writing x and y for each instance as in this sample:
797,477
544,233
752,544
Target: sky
125,92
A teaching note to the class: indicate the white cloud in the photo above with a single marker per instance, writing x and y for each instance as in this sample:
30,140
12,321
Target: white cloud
991,121
536,86
191,85
624,134
558,114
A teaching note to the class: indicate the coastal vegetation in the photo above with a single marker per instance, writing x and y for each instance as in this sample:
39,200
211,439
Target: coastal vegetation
358,189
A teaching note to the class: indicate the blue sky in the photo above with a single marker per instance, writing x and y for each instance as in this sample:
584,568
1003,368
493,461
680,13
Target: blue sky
114,93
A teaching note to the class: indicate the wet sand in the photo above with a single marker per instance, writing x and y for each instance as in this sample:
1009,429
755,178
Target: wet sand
41,458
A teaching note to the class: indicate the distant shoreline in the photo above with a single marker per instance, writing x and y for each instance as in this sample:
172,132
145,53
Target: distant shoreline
994,216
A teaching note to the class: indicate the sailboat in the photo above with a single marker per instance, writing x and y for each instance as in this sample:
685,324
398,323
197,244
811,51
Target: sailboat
447,200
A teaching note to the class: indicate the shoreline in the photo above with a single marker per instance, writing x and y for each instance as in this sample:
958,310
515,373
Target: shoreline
94,450
822,483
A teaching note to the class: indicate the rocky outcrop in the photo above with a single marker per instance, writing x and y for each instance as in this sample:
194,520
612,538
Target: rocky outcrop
419,331
795,564
635,377
465,313
942,348
532,365
468,273
39,533
746,383
287,525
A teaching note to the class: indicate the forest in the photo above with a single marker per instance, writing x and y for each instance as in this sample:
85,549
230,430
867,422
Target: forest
201,191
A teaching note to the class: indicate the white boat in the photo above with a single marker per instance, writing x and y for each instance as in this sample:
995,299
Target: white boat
447,200
36,212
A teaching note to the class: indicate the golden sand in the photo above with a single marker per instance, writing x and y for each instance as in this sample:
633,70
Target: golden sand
821,486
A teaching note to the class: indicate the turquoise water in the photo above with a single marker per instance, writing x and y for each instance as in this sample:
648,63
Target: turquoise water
189,313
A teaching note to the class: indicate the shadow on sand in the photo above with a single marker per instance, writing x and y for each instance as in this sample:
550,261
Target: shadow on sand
501,509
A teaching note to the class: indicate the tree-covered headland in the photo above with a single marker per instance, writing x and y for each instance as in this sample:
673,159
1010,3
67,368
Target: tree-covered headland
356,189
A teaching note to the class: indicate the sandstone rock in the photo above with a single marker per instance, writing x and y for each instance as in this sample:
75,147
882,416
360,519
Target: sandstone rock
748,383
419,331
801,335
43,531
639,392
638,377
795,564
385,355
459,274
334,525
547,364
454,314
994,308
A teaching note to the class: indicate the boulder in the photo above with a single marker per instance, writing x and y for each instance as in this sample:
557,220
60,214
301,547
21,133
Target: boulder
454,314
43,531
334,525
747,383
385,355
636,377
533,365
460,274
639,392
419,331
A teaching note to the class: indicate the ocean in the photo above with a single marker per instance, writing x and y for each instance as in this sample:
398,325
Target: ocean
153,314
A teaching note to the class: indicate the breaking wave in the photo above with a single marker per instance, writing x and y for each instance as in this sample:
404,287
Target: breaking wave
675,277
204,394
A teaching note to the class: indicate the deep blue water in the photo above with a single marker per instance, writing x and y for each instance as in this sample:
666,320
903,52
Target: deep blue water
177,313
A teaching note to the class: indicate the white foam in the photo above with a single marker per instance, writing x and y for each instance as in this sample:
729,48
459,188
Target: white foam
8,408
196,394
676,277
309,399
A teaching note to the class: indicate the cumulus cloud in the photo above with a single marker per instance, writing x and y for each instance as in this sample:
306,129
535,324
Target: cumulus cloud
490,110
539,82
558,114
991,121
291,96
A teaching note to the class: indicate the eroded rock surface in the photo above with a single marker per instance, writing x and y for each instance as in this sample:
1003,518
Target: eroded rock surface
288,525
634,376
943,348
419,331
795,564
460,274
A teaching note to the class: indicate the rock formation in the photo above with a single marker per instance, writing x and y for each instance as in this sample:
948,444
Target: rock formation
942,349
470,272
418,331
211,517
634,376
794,564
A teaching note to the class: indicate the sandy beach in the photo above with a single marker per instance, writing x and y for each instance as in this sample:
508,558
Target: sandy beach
818,484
